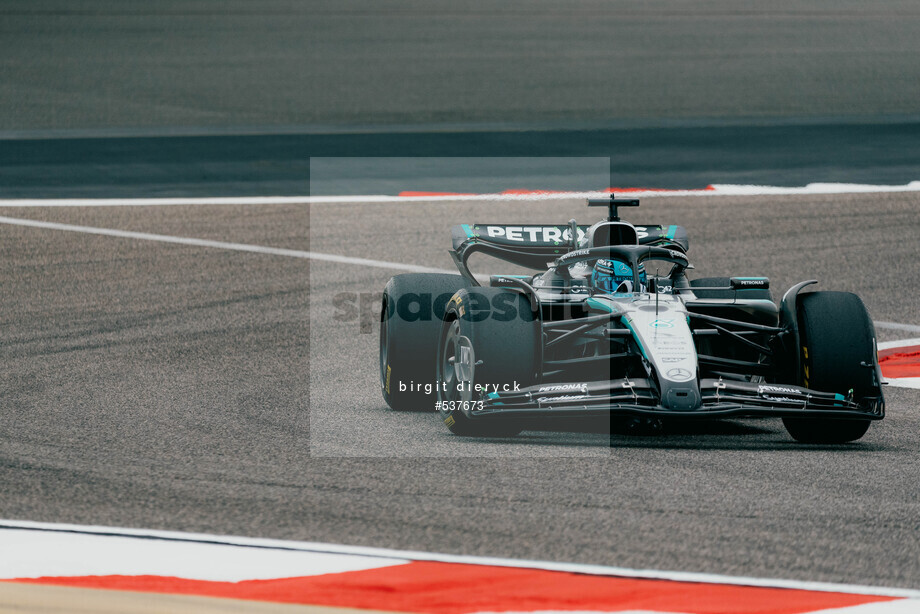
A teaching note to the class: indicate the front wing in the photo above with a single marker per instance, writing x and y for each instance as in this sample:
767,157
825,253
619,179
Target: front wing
639,397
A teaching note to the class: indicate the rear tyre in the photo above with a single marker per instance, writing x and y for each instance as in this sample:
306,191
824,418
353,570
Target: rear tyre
836,336
490,337
411,314
724,282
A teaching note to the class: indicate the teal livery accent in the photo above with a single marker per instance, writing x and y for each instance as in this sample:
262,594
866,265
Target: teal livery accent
671,231
633,331
492,396
468,231
593,303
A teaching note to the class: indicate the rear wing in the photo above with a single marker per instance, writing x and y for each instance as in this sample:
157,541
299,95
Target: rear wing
557,238
536,245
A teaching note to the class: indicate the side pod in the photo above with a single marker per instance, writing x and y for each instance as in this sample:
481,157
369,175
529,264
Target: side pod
789,320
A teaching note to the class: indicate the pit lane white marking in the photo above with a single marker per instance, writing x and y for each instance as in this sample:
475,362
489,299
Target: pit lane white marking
715,190
240,247
397,556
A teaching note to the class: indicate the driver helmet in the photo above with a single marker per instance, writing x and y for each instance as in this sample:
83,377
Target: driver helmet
615,276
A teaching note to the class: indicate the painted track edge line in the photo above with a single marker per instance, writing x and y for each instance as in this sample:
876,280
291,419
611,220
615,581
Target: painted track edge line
579,568
245,247
899,382
712,190
904,382
899,343
315,200
240,247
911,328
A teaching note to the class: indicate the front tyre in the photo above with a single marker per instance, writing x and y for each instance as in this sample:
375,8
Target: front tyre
490,339
837,355
411,313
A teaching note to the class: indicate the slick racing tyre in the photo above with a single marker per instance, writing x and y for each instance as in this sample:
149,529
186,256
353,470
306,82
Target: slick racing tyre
411,313
725,282
837,355
490,338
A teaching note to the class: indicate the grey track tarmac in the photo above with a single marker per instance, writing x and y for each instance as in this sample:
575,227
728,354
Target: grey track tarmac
187,388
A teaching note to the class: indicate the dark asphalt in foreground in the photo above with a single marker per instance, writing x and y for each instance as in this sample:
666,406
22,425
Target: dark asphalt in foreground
186,388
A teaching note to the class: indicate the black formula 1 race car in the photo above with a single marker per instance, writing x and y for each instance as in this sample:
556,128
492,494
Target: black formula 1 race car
593,332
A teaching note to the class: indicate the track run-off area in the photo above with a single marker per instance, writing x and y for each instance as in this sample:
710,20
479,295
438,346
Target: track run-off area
196,367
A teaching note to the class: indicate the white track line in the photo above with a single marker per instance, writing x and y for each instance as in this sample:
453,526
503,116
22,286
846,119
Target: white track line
303,200
715,190
277,251
37,554
240,247
812,188
895,326
601,570
901,382
900,343
904,382
907,606
148,202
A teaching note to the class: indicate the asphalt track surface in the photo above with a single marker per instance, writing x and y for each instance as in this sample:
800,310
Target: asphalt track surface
178,387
